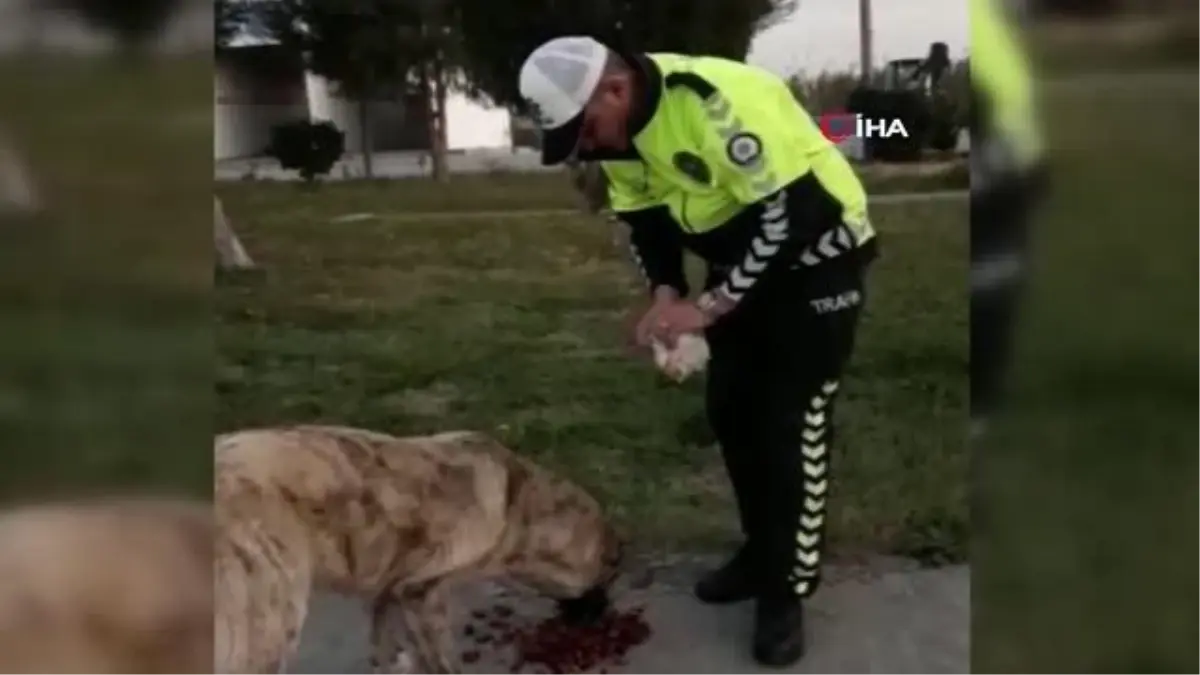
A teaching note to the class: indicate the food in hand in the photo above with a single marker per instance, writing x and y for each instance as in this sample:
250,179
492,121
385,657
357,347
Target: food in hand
689,356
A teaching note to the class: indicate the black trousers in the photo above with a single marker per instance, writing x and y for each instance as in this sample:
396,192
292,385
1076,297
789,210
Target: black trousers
777,362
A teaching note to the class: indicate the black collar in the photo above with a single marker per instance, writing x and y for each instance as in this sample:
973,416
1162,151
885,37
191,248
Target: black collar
648,88
649,79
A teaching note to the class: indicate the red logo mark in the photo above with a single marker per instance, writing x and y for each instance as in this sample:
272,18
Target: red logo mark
838,126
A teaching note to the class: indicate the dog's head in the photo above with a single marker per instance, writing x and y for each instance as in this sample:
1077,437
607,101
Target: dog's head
564,546
588,606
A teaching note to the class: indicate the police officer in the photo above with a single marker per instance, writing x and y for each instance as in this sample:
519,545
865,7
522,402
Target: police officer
1007,182
717,157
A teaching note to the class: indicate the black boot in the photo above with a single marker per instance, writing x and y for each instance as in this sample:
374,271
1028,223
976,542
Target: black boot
732,582
779,631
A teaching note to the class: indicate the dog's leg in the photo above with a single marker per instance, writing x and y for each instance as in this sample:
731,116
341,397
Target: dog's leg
426,620
275,640
262,603
388,656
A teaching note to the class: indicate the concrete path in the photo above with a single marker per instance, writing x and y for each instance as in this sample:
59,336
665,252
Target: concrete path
887,617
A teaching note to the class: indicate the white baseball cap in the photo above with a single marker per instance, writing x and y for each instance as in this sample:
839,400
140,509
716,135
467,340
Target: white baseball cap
557,81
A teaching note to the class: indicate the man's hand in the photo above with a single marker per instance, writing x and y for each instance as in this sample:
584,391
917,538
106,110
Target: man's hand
651,321
681,318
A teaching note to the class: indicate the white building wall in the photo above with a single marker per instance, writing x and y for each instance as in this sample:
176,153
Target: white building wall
241,127
470,125
325,104
319,93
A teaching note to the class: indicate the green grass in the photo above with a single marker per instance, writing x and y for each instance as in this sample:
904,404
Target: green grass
514,325
1087,559
501,191
105,324
1116,45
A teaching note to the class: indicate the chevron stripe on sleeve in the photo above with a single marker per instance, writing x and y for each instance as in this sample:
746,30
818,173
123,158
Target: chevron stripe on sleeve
763,248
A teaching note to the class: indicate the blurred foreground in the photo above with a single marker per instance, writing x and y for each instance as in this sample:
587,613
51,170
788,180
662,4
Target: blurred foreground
107,587
105,350
105,339
1084,554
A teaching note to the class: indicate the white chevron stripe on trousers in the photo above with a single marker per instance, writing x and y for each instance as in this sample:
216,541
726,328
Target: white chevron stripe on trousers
815,465
829,245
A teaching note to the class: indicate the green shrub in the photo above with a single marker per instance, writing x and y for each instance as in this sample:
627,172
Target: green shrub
311,148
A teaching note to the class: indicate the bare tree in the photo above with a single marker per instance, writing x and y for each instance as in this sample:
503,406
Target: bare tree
231,255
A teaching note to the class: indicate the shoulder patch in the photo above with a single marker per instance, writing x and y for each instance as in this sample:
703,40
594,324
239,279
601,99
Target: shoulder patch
744,149
692,81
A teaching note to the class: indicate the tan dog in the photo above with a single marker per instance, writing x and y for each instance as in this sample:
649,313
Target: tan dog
107,587
396,521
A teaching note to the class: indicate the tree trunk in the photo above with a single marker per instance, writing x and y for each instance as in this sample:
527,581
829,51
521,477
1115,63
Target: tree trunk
433,93
364,127
231,255
439,89
17,192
